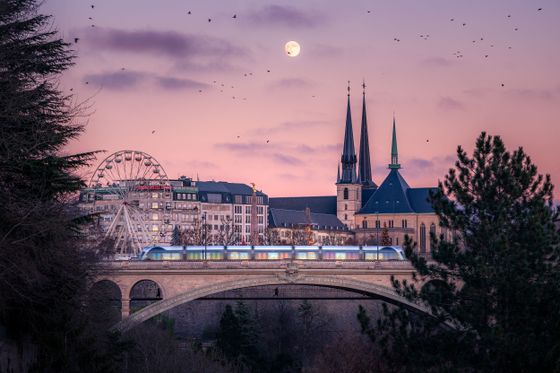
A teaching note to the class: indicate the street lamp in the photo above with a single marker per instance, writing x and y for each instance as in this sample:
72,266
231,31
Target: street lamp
377,225
205,234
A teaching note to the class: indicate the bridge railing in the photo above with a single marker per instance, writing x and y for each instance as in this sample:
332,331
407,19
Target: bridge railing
280,264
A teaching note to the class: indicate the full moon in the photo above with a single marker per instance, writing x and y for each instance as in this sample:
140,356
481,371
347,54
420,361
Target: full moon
292,48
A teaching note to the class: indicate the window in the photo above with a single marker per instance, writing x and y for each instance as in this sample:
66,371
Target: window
404,223
260,210
391,224
214,198
422,239
377,224
345,193
364,224
154,195
432,233
247,209
155,228
155,205
346,206
397,241
238,209
216,217
345,216
155,217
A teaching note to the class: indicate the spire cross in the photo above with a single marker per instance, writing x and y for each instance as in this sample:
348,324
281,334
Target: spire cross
364,86
348,88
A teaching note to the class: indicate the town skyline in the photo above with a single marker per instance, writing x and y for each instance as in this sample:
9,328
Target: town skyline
284,128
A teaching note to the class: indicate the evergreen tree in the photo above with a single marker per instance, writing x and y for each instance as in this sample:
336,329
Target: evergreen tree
494,289
44,272
176,236
229,334
385,238
249,340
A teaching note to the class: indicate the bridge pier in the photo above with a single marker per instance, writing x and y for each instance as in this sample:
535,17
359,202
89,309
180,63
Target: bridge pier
125,308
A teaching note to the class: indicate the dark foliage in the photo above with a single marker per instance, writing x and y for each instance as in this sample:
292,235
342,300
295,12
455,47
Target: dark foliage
494,283
44,267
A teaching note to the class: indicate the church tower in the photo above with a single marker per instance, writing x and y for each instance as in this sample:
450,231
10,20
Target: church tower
364,167
348,187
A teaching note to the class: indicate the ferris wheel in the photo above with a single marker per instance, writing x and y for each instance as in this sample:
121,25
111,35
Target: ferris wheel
122,182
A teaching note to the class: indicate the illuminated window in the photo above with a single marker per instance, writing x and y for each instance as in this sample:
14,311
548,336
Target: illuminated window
155,216
155,205
155,228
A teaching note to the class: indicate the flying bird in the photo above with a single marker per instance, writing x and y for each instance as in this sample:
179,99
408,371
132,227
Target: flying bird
189,12
267,141
153,131
267,71
234,16
92,6
539,9
209,19
76,40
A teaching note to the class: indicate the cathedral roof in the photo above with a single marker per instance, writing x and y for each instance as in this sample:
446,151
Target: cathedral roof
319,204
279,218
395,196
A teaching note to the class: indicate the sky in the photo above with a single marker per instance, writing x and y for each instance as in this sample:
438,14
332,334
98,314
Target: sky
221,100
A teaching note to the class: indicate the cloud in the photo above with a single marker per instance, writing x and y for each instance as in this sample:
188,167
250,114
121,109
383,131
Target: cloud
324,50
448,103
420,167
290,83
171,83
278,15
167,43
201,164
546,94
437,62
291,126
118,80
286,159
123,80
263,148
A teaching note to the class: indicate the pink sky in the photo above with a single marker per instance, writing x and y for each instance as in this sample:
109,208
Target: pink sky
299,106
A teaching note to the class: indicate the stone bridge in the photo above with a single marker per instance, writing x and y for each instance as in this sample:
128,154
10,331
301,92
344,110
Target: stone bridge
181,282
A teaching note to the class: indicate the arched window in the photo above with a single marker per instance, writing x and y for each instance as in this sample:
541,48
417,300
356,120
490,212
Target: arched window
432,233
346,206
345,216
345,193
422,239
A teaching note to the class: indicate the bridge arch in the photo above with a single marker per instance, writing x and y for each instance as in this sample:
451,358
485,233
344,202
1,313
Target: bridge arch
350,284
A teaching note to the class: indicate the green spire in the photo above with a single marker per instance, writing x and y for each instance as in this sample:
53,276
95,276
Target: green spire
394,152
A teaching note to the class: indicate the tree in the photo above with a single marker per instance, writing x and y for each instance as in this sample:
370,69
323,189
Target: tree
385,239
176,237
45,267
494,289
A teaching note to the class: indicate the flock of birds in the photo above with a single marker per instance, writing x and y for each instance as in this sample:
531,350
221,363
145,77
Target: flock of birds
221,86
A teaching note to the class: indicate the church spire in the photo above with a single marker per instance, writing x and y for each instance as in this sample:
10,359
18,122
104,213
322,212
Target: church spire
348,158
364,167
394,152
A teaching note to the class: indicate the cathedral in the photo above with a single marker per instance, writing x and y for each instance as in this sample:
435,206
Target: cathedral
375,214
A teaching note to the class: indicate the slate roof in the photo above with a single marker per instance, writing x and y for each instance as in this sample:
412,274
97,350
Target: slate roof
317,204
227,191
225,187
287,218
395,196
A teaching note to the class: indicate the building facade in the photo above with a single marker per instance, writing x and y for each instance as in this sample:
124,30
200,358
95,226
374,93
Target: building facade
203,211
